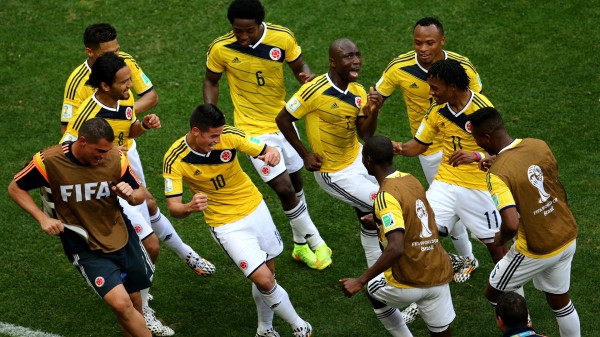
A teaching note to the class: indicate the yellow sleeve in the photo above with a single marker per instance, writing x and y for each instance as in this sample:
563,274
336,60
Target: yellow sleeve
296,106
173,180
501,194
389,211
293,50
213,60
386,84
427,131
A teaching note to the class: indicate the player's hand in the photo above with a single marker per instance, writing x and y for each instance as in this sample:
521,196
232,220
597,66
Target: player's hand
52,226
374,102
271,156
152,121
123,149
462,157
368,220
198,203
313,162
351,286
123,189
397,147
485,164
305,78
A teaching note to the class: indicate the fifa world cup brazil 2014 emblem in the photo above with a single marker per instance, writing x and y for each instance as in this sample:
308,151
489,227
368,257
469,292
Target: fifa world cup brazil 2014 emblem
424,217
536,178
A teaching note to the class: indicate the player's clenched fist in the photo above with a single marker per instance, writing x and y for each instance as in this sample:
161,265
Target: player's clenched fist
271,156
198,203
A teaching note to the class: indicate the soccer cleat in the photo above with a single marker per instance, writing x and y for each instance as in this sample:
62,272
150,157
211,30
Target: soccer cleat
200,266
154,325
457,262
464,273
410,313
269,333
305,331
323,255
303,254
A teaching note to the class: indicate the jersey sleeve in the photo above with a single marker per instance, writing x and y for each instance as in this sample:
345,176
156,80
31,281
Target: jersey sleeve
386,84
141,82
292,50
474,79
501,194
33,175
389,212
214,62
427,130
127,174
250,145
173,179
297,106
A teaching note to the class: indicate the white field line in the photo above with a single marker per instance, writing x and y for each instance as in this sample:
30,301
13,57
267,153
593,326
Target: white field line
19,331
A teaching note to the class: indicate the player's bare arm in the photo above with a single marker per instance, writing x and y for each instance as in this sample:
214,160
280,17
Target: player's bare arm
301,70
22,198
149,122
146,102
210,87
271,156
463,157
411,148
180,210
391,254
366,126
509,226
312,161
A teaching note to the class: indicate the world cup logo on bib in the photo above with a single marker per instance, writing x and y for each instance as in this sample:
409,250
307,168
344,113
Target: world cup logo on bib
536,178
424,217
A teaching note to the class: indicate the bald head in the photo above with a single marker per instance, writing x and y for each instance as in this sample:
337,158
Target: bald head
340,45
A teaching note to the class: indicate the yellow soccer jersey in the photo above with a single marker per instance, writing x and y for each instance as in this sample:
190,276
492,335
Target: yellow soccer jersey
455,130
255,75
120,119
406,73
218,174
76,90
330,119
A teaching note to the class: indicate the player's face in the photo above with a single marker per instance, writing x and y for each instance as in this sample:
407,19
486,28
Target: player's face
94,154
120,87
346,62
205,141
428,44
246,31
439,90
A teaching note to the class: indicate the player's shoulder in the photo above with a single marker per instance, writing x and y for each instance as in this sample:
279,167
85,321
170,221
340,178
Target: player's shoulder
481,101
175,151
127,57
318,83
463,60
231,131
80,72
279,29
220,41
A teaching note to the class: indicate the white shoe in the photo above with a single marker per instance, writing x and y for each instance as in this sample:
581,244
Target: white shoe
305,331
269,333
410,313
200,266
154,325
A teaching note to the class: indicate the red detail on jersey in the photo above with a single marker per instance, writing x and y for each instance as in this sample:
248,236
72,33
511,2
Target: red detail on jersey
275,54
468,126
373,196
243,264
357,101
99,281
137,228
129,112
265,170
226,156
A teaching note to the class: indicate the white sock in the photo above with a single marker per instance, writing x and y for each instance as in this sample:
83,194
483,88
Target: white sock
568,321
278,300
460,239
370,243
392,321
166,233
303,229
144,294
265,314
301,196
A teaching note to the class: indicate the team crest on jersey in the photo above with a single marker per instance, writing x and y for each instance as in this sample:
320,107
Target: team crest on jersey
99,281
265,170
275,54
373,196
357,101
468,126
226,156
137,228
128,112
244,264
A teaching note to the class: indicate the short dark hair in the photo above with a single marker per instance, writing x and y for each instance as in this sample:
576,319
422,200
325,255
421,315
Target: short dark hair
512,308
451,72
246,9
428,21
207,116
486,120
380,149
104,69
96,129
98,33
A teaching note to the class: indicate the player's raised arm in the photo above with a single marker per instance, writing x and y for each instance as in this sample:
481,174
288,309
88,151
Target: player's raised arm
146,101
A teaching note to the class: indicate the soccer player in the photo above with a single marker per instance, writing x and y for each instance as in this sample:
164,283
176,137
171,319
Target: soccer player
512,316
88,175
336,108
532,202
111,77
408,72
414,267
459,190
252,57
206,158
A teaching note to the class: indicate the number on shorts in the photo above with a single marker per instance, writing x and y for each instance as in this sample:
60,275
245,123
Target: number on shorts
487,216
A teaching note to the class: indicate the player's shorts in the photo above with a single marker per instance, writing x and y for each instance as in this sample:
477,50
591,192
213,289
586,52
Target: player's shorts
435,303
551,274
135,162
250,241
290,160
474,208
138,215
130,266
430,164
352,185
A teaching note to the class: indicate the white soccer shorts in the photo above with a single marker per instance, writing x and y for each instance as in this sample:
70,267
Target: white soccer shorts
250,241
138,215
290,160
474,208
435,303
551,275
352,185
430,165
